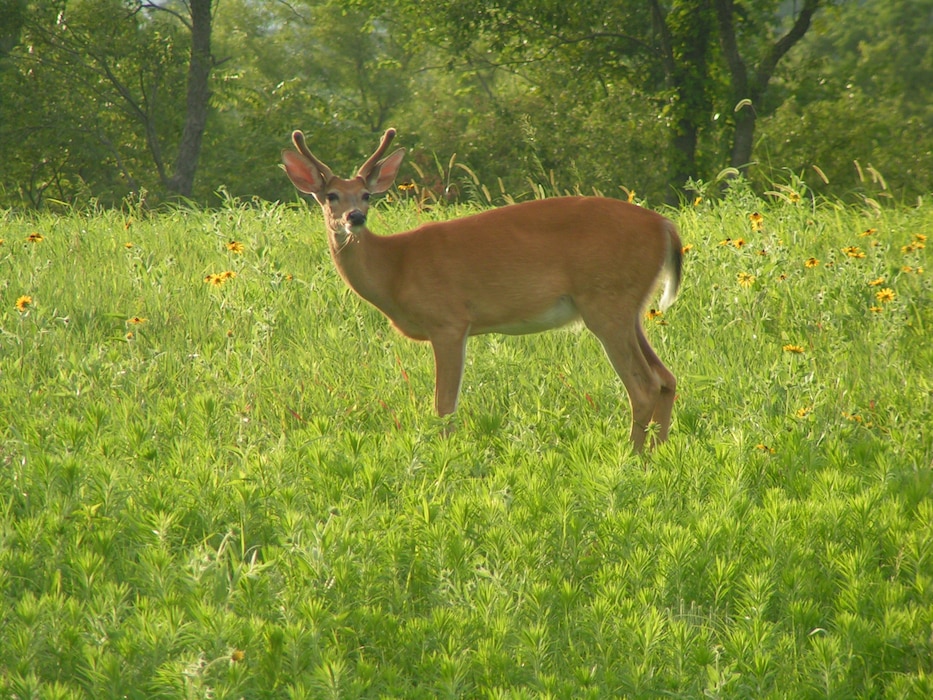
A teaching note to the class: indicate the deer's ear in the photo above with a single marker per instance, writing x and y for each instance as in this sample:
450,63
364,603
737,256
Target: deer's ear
302,172
384,172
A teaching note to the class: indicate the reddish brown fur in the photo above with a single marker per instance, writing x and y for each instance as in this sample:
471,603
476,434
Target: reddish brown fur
518,269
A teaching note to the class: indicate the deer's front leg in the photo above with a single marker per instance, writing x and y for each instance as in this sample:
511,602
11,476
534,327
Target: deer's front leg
449,354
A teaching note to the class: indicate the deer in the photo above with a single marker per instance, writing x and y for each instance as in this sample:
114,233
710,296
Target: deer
517,269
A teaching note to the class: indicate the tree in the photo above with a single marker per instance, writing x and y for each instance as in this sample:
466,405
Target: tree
669,53
200,64
749,83
108,73
860,102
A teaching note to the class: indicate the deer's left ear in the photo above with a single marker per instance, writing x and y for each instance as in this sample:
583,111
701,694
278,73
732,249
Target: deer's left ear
384,172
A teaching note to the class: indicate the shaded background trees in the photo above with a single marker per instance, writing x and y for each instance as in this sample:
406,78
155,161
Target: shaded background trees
102,99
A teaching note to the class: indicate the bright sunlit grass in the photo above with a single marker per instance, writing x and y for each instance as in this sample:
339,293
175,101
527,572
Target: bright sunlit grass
220,476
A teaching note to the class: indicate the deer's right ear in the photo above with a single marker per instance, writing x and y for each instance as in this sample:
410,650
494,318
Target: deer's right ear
302,172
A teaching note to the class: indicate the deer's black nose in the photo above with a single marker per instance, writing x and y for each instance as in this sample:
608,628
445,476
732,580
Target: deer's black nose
356,218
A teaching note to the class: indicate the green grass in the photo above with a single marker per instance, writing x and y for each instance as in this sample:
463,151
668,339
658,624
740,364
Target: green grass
248,496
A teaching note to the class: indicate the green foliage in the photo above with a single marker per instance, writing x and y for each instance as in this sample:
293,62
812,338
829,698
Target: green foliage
599,95
234,488
860,96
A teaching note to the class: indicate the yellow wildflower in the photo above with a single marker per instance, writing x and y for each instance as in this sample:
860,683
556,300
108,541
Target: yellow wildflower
35,237
885,295
23,303
853,251
876,282
758,221
746,279
137,320
868,232
235,247
793,348
811,262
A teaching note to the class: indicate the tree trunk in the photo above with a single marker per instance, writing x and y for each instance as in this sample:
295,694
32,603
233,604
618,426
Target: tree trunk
199,71
684,39
748,87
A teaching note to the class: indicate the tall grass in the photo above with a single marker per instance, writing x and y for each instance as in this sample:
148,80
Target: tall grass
231,485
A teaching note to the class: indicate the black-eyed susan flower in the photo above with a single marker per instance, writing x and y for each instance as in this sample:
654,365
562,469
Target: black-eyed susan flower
686,249
725,241
868,232
219,278
877,282
739,242
35,237
652,314
697,201
23,303
746,279
235,247
793,197
406,186
885,295
136,320
811,262
920,238
796,349
757,220
237,655
127,245
853,251
875,309
804,411
764,448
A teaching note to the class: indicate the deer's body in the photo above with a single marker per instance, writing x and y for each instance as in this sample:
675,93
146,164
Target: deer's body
519,269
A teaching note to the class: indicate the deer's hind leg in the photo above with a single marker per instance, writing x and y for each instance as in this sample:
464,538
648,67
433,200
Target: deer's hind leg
665,404
625,345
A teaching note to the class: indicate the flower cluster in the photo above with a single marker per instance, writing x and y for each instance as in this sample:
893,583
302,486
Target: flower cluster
219,278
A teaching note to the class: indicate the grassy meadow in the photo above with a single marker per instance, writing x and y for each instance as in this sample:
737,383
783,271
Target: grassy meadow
220,476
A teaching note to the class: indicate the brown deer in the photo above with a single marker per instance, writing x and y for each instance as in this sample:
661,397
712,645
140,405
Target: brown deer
523,268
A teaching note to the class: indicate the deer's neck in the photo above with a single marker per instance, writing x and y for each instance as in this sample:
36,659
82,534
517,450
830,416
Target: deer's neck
366,264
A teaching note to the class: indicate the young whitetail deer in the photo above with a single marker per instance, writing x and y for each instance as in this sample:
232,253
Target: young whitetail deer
519,269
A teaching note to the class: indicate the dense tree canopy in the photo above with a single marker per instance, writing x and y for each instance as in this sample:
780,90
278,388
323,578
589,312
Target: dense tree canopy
105,99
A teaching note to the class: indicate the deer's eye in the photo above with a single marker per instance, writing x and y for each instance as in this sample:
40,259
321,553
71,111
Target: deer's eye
366,196
333,197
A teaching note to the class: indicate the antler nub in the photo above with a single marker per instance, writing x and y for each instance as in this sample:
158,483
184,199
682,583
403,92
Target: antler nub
366,167
298,138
